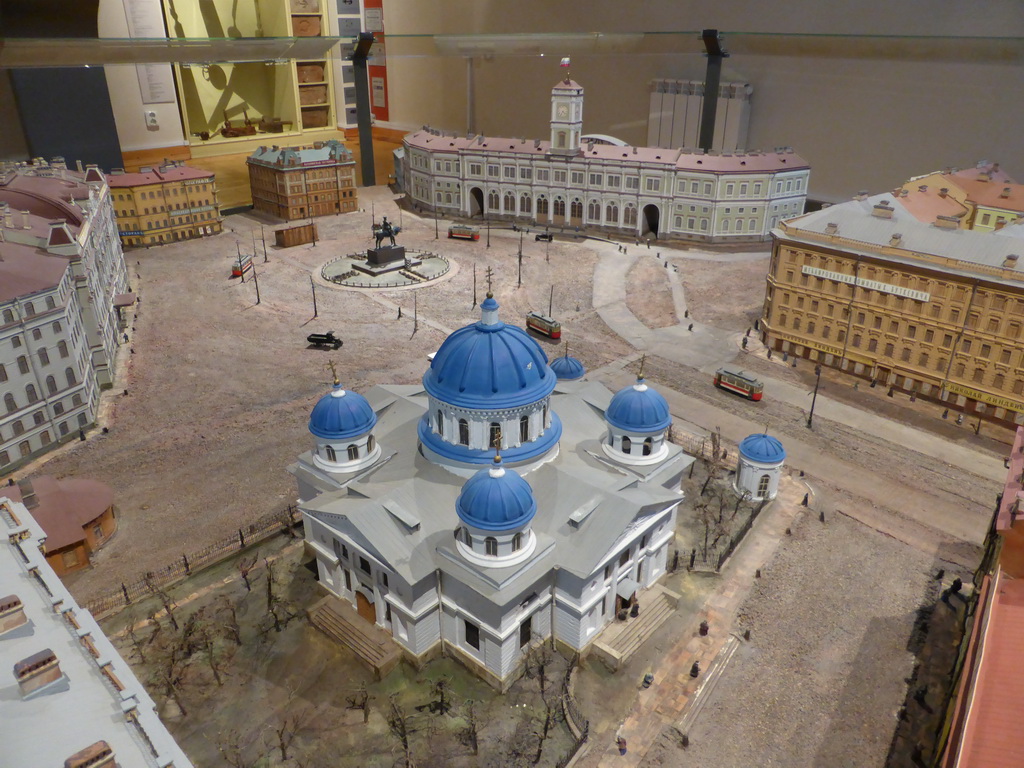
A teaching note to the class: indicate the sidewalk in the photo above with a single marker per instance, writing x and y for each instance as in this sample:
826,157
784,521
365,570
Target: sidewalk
664,704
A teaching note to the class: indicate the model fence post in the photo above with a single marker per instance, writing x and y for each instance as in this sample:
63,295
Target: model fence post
184,559
124,589
241,538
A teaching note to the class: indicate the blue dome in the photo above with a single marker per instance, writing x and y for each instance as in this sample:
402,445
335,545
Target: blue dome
567,368
763,448
341,414
496,499
489,365
638,409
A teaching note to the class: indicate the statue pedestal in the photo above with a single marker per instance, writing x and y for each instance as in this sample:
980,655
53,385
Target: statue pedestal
386,254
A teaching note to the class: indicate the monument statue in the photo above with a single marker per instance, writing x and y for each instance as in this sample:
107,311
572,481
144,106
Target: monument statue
385,229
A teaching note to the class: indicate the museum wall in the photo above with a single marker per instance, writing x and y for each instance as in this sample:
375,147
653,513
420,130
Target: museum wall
867,115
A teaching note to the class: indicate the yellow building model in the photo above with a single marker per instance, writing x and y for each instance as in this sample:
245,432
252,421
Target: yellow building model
983,198
925,308
173,202
297,183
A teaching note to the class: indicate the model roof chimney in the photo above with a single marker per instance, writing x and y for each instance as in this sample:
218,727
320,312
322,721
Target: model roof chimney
883,210
944,192
1005,193
1011,261
947,222
896,239
831,228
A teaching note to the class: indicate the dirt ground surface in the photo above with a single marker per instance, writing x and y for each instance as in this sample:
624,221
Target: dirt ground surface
822,679
727,295
649,295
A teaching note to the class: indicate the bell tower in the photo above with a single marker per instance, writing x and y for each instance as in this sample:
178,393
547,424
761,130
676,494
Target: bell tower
566,116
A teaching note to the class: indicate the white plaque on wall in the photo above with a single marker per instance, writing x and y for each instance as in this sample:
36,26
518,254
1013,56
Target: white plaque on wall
156,81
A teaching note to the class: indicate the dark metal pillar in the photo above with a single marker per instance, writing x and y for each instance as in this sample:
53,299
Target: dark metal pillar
363,117
715,53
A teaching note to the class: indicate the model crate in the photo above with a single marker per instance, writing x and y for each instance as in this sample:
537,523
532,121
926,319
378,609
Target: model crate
315,117
310,73
313,94
306,26
305,6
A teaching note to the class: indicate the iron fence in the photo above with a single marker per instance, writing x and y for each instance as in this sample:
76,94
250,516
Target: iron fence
259,530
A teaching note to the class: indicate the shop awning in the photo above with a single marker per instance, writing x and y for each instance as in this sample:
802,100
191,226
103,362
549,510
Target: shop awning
124,299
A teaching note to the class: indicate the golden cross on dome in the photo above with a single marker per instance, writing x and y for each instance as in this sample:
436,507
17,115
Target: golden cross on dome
643,359
496,442
334,371
490,274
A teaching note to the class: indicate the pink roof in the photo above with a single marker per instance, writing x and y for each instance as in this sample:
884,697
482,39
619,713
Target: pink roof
66,506
926,205
989,193
990,170
992,732
165,173
24,270
567,85
47,196
749,162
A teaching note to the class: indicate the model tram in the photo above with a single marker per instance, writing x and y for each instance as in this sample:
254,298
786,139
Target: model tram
738,381
464,232
535,321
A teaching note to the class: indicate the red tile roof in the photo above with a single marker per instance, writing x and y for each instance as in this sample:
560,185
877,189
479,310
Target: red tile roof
66,506
157,176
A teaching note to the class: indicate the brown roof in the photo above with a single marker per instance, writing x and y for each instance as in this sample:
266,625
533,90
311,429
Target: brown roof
25,270
925,205
992,737
66,507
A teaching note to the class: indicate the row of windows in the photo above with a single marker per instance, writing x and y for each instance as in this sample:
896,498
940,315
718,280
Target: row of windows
494,434
25,448
33,396
156,195
39,417
29,308
352,451
42,354
490,543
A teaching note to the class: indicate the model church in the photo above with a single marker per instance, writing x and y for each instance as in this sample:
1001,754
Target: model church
502,501
578,180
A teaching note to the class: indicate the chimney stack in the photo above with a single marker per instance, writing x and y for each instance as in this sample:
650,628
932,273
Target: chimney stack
1005,193
896,239
37,671
947,222
1011,261
944,192
831,228
883,210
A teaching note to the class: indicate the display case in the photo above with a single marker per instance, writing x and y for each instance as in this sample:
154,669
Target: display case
225,102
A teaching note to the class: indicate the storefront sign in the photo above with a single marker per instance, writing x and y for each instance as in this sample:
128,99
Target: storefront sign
871,285
984,397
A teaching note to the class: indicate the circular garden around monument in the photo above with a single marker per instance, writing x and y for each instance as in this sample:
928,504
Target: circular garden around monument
356,271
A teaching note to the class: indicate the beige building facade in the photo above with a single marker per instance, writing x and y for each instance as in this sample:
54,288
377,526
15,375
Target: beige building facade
925,308
164,205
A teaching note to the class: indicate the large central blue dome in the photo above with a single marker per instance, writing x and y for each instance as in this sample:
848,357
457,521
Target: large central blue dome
489,365
496,499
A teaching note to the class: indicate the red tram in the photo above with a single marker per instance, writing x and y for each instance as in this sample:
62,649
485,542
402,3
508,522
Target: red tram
738,381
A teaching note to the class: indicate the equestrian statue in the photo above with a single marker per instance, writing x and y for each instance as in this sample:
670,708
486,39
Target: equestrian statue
385,229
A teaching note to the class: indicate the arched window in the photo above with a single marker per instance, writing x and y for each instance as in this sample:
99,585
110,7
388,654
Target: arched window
492,200
524,429
560,140
70,374
76,400
440,424
448,198
467,537
495,439
36,334
8,316
542,206
491,545
30,309
44,356
24,448
370,444
353,452
648,445
510,203
611,214
9,403
51,385
525,204
762,486
576,209
559,207
30,393
62,348
544,423
627,444
463,432
629,216
517,542
594,211
331,454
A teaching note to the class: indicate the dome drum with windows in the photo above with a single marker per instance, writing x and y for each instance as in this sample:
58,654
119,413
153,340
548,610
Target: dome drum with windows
342,422
759,467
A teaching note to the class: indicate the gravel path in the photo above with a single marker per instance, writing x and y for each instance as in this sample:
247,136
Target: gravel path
822,678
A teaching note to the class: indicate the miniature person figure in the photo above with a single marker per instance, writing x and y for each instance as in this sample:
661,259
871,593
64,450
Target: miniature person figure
690,327
695,669
744,342
769,352
959,419
620,742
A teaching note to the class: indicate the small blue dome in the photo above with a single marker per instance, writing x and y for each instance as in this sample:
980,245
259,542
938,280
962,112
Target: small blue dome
496,499
638,409
341,414
567,368
489,365
762,448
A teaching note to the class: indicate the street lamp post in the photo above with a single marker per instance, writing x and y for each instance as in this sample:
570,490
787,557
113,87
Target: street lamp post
435,224
814,399
488,232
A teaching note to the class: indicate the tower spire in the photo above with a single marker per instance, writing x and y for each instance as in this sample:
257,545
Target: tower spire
334,372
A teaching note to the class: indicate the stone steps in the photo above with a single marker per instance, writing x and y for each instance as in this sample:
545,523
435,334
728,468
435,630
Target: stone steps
642,627
329,616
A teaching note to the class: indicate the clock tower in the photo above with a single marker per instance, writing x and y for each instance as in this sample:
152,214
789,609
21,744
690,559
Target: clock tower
566,117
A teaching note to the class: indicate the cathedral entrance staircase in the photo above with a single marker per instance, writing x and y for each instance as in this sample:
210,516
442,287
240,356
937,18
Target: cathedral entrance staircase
621,639
338,620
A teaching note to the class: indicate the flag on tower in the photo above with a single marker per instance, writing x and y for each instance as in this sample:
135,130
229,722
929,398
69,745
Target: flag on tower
565,62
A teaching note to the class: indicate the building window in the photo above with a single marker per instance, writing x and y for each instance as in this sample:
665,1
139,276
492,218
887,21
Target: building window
559,207
23,364
517,542
30,393
353,452
331,454
648,444
44,356
627,444
629,216
9,403
525,204
611,213
472,634
70,374
440,424
463,432
576,209
652,184
524,429
3,373
364,564
762,486
872,345
526,632
979,375
542,206
889,349
594,212
491,546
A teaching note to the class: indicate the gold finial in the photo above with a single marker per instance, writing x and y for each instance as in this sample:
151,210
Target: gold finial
334,371
566,347
643,359
496,439
490,275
